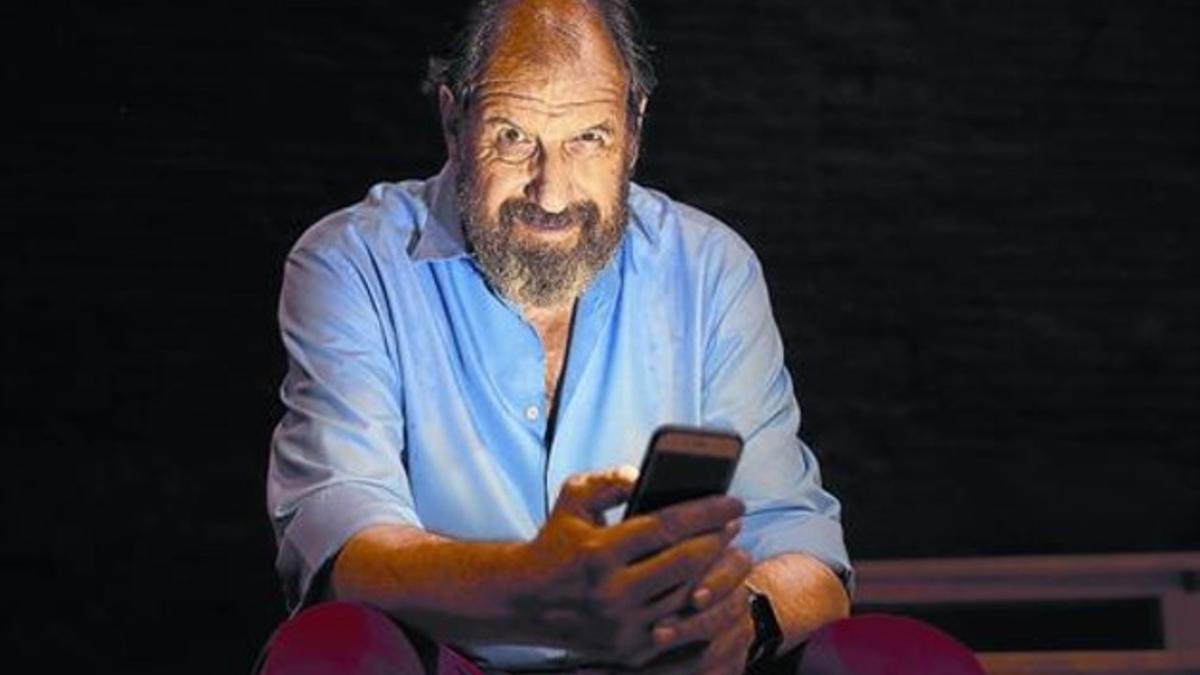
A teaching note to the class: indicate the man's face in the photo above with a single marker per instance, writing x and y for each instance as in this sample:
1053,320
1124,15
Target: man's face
544,159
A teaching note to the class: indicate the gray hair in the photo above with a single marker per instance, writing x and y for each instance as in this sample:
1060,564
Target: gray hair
463,68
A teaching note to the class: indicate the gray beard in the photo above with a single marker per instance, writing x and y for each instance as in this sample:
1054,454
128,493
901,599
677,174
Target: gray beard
531,273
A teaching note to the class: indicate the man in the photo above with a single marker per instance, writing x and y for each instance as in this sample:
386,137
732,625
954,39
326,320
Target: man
476,360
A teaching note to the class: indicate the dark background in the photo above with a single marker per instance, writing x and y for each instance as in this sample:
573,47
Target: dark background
977,220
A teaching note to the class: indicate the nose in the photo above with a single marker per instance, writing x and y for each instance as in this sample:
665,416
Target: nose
550,186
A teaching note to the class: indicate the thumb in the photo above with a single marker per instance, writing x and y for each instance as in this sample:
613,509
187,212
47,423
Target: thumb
589,494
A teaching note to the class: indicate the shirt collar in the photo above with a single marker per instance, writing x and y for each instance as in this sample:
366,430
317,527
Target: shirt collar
641,202
441,236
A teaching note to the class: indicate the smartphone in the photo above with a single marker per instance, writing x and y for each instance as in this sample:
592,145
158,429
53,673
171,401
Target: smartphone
684,463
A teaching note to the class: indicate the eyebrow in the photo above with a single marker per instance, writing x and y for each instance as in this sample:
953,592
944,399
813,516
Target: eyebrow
500,119
605,126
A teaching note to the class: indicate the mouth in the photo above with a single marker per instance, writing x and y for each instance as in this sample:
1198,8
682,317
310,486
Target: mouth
527,217
548,224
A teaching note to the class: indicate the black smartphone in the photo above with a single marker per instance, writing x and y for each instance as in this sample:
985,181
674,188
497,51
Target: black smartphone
684,463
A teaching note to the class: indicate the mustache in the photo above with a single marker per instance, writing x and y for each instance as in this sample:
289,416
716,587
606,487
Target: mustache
585,213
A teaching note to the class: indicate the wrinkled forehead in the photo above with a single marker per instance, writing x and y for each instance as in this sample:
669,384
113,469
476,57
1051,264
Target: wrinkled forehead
556,51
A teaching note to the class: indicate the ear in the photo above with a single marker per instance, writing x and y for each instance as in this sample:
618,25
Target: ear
636,138
448,109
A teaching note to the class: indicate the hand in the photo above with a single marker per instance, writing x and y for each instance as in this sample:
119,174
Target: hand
599,590
727,575
714,641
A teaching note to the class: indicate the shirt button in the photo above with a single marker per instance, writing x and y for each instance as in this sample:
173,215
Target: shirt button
531,413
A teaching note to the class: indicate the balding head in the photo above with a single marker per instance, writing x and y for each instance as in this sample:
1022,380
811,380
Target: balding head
555,51
501,35
547,34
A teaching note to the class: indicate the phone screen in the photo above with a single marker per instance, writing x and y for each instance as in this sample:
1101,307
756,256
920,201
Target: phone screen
684,464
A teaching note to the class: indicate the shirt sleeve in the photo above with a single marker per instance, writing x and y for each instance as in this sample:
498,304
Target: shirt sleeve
337,455
747,388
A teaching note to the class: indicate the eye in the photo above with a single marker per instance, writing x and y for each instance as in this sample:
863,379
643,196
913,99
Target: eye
593,137
513,145
590,142
510,136
511,139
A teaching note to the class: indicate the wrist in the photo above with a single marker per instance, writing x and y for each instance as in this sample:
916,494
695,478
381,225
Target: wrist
525,592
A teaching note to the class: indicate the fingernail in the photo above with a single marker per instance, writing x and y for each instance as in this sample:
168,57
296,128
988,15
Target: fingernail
663,635
701,597
733,527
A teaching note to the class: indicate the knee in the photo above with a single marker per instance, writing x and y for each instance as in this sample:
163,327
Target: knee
879,644
340,638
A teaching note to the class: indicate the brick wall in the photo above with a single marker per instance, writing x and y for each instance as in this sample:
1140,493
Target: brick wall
977,220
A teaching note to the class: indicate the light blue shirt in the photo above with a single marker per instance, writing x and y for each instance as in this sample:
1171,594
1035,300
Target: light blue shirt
415,392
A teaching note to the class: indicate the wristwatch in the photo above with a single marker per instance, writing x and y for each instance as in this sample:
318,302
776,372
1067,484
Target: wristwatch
767,635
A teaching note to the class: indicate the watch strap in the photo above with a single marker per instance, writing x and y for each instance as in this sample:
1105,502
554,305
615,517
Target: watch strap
767,634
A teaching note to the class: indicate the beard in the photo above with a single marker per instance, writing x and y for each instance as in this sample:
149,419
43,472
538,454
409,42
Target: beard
526,270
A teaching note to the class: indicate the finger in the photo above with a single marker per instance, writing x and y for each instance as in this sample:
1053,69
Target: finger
590,494
706,625
681,564
728,653
728,573
725,654
650,533
731,653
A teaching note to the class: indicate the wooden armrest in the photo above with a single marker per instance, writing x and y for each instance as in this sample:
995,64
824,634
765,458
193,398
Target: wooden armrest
1164,662
1015,578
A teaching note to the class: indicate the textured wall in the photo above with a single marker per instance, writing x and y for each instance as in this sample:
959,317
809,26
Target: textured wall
977,220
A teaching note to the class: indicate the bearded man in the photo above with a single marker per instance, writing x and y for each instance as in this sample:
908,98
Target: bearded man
477,359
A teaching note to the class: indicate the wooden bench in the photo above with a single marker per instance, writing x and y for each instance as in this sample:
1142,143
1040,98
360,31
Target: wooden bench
1173,579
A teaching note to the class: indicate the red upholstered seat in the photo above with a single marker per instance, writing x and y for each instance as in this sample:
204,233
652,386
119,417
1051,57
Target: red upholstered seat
340,638
883,644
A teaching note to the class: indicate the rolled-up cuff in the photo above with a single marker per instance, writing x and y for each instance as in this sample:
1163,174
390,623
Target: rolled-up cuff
766,535
322,523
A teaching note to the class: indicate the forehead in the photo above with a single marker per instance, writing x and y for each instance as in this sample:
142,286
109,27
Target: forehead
555,96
